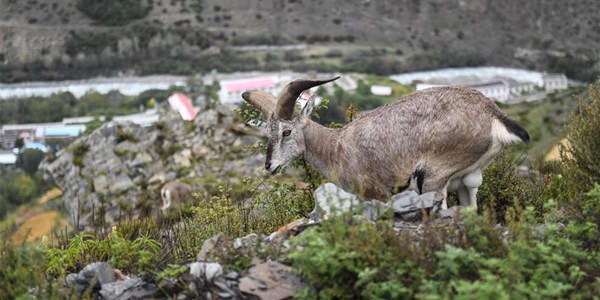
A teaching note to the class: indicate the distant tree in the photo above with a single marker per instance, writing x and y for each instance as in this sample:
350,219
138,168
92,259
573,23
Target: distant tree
16,189
113,12
363,89
29,160
19,143
211,92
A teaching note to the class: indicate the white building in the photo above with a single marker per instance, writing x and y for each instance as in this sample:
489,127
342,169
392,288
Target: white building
554,82
381,90
520,88
231,90
31,132
497,90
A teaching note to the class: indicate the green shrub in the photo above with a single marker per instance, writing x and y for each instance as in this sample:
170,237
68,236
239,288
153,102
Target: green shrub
17,188
254,206
503,187
20,276
580,162
346,259
29,160
79,150
113,12
139,255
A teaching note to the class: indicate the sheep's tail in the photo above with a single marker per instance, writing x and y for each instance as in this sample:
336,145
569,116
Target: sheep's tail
508,131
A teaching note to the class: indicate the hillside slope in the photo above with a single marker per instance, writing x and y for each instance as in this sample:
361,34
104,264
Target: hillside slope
412,34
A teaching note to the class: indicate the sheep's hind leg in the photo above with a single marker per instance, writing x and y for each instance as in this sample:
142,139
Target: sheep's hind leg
467,193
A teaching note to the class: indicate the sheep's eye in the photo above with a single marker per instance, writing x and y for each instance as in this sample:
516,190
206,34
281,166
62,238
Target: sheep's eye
287,132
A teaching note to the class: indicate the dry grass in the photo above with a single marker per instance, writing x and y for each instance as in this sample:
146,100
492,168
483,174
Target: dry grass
49,195
35,227
554,153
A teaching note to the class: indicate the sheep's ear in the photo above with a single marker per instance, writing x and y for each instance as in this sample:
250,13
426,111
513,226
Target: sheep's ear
307,111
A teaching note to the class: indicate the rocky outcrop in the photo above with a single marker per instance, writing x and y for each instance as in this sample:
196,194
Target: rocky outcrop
119,168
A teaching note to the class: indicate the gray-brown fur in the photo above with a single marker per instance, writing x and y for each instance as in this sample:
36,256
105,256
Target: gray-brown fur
174,193
445,132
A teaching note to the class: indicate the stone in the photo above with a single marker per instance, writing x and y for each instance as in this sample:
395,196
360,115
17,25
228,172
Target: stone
206,271
224,288
332,200
247,243
374,209
450,213
208,247
292,229
270,280
133,288
91,276
119,183
408,205
207,119
141,159
183,158
232,275
101,184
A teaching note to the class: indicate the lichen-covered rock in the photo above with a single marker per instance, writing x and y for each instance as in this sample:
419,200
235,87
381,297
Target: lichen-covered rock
330,200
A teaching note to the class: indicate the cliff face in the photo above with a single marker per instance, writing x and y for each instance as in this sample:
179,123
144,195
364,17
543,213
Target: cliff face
545,35
117,170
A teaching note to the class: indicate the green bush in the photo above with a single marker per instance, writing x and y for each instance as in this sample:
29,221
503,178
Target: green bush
16,188
256,206
503,187
29,160
346,259
580,162
139,255
20,276
79,150
113,12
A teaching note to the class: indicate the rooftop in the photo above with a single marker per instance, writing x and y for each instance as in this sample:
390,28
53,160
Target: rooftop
249,84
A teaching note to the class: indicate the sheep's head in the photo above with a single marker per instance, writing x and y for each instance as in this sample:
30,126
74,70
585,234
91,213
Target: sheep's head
284,126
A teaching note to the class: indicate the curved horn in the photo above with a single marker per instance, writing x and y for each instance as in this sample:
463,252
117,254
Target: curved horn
287,98
263,101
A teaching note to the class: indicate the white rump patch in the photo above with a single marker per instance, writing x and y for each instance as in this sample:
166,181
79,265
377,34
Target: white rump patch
502,135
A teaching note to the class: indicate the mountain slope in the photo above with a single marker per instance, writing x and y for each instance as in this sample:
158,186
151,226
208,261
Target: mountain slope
415,34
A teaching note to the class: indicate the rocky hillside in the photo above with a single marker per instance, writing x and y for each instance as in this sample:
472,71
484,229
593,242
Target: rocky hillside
117,171
71,38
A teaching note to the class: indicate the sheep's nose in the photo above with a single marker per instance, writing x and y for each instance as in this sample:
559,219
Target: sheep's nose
267,166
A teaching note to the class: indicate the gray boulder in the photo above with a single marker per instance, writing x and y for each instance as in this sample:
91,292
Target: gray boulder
409,205
133,288
91,277
332,200
206,271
